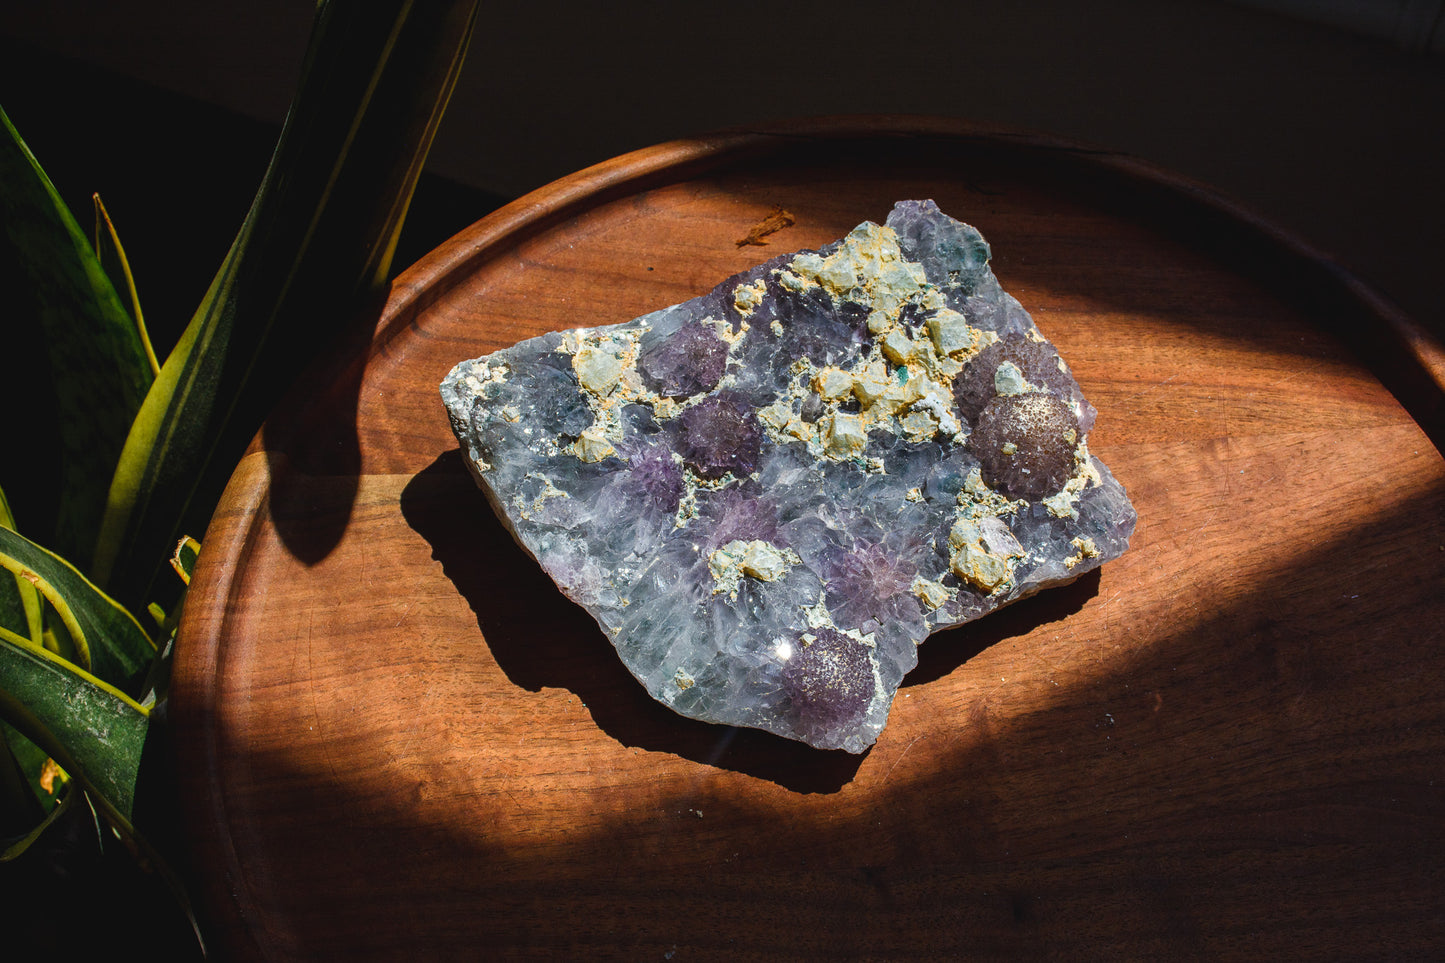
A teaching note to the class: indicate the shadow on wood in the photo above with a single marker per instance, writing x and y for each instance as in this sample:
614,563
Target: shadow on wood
541,639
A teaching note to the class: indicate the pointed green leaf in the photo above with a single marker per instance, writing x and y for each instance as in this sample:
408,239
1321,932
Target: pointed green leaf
20,606
66,313
12,606
17,848
30,760
183,559
33,792
12,610
108,639
56,639
92,729
20,793
102,217
318,239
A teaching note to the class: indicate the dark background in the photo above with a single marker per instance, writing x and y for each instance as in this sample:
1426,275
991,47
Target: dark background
1325,116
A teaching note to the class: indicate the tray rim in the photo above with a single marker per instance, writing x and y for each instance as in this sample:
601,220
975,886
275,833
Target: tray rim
217,870
676,160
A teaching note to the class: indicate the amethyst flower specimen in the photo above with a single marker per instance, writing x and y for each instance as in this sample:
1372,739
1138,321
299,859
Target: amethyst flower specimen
769,496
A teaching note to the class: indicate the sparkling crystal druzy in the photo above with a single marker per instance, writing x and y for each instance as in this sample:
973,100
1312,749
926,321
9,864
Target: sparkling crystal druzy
770,495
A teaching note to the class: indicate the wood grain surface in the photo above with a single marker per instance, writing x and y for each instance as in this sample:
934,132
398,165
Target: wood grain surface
398,739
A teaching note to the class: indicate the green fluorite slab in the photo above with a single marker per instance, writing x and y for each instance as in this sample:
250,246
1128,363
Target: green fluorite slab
770,495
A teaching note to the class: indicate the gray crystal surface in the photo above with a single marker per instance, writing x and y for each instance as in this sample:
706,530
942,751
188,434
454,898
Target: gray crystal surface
770,495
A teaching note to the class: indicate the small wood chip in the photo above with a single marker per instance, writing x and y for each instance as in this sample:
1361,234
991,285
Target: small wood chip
776,220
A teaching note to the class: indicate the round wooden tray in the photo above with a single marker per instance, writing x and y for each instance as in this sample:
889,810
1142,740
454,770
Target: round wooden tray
397,738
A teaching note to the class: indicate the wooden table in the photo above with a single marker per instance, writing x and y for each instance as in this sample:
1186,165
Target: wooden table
398,739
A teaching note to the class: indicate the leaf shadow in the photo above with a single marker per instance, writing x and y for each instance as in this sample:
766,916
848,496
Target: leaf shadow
312,434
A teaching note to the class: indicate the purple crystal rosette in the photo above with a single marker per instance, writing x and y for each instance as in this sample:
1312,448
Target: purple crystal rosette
770,495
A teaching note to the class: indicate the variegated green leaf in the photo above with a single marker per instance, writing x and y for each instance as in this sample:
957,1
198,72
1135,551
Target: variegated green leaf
31,762
21,610
21,806
12,606
67,317
19,846
319,237
183,559
109,641
111,235
92,729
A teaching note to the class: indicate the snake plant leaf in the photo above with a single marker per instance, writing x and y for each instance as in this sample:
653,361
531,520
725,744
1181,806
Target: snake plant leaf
65,311
22,801
17,848
21,609
109,641
184,558
56,639
102,218
16,598
44,781
315,245
92,729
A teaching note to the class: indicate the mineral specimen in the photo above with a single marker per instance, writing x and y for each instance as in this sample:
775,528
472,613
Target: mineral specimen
770,495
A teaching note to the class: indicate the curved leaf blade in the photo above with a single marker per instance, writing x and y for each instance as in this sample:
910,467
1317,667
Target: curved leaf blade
108,639
102,216
319,236
184,558
92,729
21,610
31,761
17,849
17,598
22,802
98,370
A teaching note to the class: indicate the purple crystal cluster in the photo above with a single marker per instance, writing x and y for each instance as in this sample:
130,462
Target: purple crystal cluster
770,495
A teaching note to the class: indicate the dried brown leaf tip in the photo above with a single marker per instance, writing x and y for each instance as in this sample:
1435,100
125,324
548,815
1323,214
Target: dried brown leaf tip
776,220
